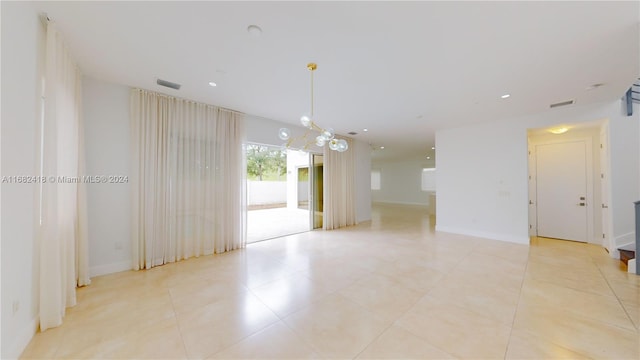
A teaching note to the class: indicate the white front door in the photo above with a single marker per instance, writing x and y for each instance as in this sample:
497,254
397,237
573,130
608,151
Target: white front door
561,190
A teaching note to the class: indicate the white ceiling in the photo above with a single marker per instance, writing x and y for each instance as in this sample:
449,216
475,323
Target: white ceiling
402,70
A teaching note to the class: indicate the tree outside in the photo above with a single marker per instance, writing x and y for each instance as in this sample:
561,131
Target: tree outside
265,163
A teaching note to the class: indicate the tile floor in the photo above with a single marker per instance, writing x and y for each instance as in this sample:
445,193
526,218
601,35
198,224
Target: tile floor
389,288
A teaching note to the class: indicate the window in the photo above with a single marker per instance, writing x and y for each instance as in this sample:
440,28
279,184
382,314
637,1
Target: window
429,179
375,179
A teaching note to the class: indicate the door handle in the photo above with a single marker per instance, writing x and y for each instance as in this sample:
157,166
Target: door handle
604,206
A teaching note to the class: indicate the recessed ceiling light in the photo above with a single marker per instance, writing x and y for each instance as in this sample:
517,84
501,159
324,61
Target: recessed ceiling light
211,83
505,96
433,148
254,31
365,130
428,157
559,130
381,147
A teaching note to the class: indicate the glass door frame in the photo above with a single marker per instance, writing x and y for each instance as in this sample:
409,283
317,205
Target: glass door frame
316,190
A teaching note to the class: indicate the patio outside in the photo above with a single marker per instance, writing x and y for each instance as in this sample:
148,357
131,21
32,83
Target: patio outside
277,192
263,224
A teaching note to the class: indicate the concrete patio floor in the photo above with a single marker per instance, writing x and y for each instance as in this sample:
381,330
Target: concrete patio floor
270,223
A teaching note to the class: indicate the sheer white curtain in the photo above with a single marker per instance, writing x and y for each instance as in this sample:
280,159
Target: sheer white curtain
339,191
63,224
188,197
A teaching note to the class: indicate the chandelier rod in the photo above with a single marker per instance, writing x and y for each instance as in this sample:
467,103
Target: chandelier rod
325,135
311,67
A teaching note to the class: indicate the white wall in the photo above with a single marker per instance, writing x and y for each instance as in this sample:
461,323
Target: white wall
108,152
265,131
22,54
266,192
296,190
401,182
482,172
624,145
363,180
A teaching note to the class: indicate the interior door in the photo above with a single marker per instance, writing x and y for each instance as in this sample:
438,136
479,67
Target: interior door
561,190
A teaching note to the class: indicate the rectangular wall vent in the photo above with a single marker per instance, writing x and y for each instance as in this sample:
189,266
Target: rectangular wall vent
564,103
168,84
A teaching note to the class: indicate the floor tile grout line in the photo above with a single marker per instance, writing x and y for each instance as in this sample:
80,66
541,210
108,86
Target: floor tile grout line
374,340
281,319
252,293
396,323
392,323
515,313
604,322
617,297
580,316
294,331
243,338
175,316
532,334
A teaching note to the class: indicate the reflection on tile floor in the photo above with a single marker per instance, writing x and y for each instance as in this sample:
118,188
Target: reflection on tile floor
389,288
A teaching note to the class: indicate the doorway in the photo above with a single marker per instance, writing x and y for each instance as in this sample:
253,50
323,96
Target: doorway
284,192
272,197
565,185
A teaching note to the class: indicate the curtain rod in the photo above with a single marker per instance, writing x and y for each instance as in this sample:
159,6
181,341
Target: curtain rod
187,100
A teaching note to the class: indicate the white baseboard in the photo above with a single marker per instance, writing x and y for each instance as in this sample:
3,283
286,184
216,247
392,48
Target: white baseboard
22,340
401,203
109,268
485,234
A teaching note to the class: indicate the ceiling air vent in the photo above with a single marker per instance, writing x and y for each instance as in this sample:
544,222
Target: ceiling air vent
168,84
563,103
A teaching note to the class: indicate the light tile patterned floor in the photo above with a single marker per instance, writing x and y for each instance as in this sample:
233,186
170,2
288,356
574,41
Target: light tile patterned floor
391,288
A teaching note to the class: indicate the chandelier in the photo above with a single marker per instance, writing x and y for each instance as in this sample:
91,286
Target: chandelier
325,136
